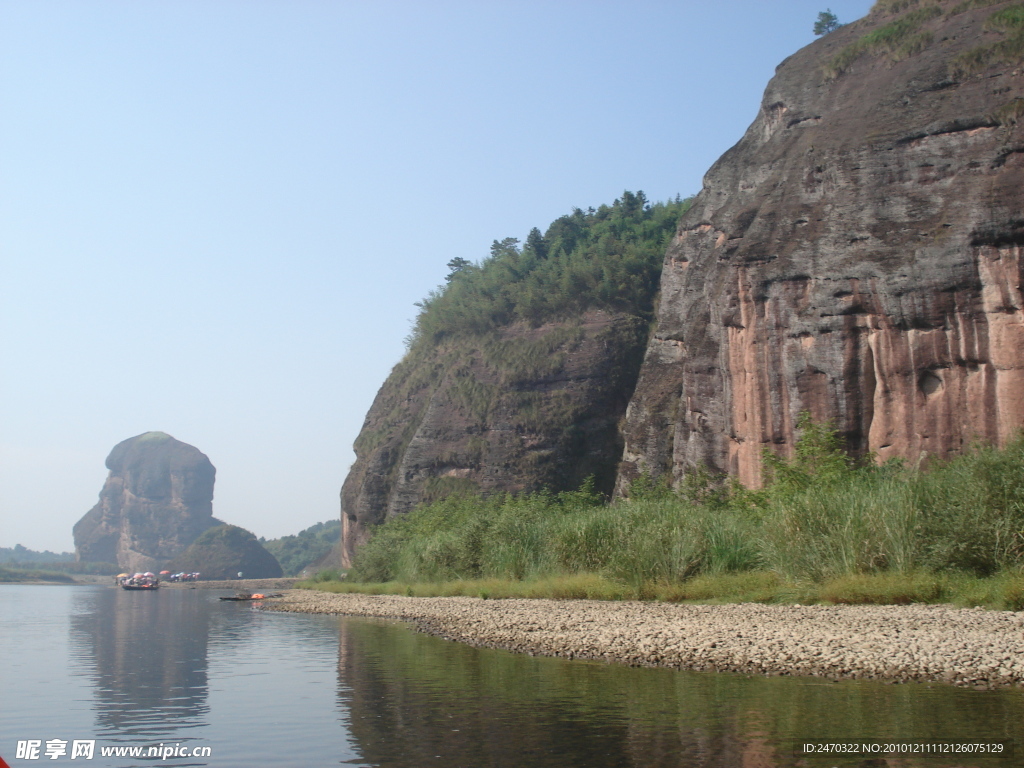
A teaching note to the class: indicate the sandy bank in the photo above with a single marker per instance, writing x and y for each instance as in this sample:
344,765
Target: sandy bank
969,647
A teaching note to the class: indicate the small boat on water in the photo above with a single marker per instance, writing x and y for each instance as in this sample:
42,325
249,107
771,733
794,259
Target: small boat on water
243,596
140,581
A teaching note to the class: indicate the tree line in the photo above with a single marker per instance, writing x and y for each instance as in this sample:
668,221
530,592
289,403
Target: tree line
604,258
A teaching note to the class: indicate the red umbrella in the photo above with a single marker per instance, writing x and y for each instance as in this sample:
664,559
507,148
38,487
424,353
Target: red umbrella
165,573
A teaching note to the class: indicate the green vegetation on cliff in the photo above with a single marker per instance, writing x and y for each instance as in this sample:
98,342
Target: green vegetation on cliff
604,258
904,36
304,548
824,526
525,361
1009,22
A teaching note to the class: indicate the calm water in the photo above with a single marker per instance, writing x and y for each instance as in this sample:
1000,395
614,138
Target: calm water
260,689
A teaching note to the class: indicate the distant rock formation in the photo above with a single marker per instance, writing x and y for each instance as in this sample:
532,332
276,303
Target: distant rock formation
224,552
856,255
156,501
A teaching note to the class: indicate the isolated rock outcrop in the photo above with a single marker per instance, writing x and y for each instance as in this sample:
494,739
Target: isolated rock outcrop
856,255
225,551
156,501
524,409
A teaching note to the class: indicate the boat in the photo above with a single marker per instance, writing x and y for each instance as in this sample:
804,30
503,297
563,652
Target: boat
244,597
140,581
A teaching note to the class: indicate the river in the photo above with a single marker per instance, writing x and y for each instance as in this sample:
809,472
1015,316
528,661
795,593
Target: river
181,671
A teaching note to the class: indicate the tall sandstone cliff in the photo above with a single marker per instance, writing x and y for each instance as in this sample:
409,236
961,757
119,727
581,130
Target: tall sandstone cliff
856,255
518,410
155,502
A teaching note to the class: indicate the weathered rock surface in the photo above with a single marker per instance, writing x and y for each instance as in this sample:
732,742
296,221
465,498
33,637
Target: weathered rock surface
156,501
528,408
225,551
856,255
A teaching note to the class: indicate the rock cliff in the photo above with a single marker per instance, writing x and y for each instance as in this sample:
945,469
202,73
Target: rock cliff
522,409
856,255
156,501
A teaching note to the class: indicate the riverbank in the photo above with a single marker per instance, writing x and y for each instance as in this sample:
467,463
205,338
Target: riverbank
239,585
965,647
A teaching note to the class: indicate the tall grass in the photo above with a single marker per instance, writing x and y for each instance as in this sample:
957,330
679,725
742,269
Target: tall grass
822,519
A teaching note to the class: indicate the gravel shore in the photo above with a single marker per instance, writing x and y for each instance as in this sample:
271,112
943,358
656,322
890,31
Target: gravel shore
967,647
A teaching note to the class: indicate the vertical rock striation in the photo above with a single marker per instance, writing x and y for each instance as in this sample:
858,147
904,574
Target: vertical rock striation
856,255
156,501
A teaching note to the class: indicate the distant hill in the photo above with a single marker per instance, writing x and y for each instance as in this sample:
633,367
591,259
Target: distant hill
16,559
306,547
224,551
20,554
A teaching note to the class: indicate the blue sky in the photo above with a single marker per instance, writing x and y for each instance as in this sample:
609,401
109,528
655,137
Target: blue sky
216,215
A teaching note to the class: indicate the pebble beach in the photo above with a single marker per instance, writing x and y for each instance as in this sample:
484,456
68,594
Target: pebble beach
926,643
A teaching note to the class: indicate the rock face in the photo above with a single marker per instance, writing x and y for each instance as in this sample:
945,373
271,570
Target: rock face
156,501
457,418
225,551
856,255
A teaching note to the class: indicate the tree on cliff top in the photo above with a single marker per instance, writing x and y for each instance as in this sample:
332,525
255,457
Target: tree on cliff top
827,22
608,258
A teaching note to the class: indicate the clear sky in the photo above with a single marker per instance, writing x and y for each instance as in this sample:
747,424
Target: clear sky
216,215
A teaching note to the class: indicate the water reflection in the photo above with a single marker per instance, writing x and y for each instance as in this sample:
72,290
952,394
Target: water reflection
414,700
263,689
147,656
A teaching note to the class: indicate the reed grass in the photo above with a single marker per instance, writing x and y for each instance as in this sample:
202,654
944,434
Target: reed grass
825,528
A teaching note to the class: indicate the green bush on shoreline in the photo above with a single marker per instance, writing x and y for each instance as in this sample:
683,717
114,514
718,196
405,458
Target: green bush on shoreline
824,529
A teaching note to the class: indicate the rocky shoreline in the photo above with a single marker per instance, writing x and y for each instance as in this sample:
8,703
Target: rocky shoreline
926,643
